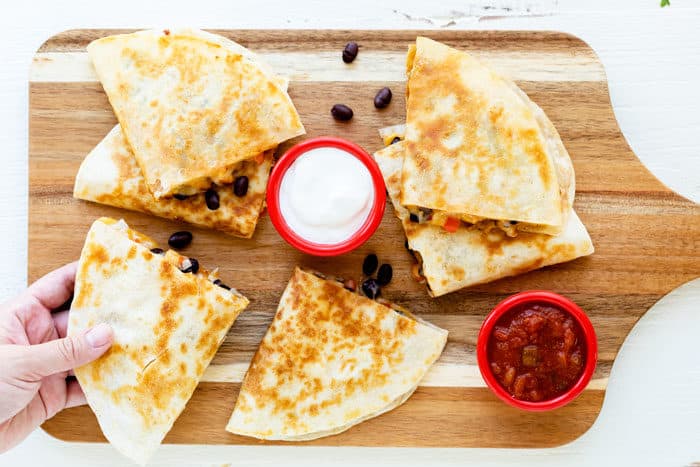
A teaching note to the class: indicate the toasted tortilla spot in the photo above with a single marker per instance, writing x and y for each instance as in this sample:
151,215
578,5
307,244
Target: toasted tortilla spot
456,272
97,255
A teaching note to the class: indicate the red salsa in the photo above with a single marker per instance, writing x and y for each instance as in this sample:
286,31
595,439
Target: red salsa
537,352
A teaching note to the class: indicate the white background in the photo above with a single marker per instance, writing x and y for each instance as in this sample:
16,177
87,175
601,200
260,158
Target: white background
652,59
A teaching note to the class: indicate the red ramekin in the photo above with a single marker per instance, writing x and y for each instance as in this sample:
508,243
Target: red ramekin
363,233
546,298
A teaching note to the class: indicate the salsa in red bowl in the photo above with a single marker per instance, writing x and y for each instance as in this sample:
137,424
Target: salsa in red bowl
537,350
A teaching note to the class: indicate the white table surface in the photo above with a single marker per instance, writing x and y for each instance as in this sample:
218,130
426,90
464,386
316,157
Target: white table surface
652,59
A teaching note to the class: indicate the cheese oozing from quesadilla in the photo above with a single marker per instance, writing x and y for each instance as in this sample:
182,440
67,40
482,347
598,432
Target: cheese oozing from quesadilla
478,150
110,175
468,256
192,105
167,324
331,359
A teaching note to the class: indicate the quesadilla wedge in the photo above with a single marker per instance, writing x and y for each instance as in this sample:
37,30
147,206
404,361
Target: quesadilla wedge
110,175
478,150
191,105
468,256
167,324
331,359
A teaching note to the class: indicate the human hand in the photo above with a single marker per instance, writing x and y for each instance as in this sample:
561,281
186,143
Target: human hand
36,357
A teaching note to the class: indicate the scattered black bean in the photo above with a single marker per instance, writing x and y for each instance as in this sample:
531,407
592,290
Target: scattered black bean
382,98
217,281
350,52
413,218
369,265
211,197
384,274
180,239
157,251
193,267
395,140
341,112
350,284
180,197
371,288
240,186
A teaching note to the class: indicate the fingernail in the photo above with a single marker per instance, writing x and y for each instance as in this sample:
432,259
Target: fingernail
99,336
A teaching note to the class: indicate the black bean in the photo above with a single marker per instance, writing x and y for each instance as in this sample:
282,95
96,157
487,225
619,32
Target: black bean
180,239
395,140
369,265
157,251
371,289
221,284
180,197
427,213
341,112
211,197
240,186
382,98
193,267
384,274
350,52
414,218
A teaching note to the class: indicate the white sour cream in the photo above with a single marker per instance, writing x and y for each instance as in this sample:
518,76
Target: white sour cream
326,195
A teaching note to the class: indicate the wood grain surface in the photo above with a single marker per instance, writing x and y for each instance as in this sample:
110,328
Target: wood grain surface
647,238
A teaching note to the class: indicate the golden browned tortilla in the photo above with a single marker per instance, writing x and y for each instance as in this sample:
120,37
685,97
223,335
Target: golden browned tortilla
331,359
167,324
191,105
110,175
477,148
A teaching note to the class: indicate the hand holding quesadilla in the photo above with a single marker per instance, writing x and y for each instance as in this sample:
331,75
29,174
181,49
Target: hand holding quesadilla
168,323
36,355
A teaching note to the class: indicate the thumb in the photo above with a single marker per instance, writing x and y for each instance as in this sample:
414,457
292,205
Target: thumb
70,352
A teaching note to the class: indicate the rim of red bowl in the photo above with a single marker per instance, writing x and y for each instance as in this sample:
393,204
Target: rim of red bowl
374,218
549,298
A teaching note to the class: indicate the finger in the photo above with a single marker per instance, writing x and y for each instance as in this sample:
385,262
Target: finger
59,355
56,287
74,394
60,322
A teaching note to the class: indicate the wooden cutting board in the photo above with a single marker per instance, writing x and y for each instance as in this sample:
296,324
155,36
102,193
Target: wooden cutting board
647,238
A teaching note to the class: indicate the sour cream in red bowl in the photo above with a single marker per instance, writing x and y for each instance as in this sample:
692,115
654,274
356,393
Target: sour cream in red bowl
326,196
